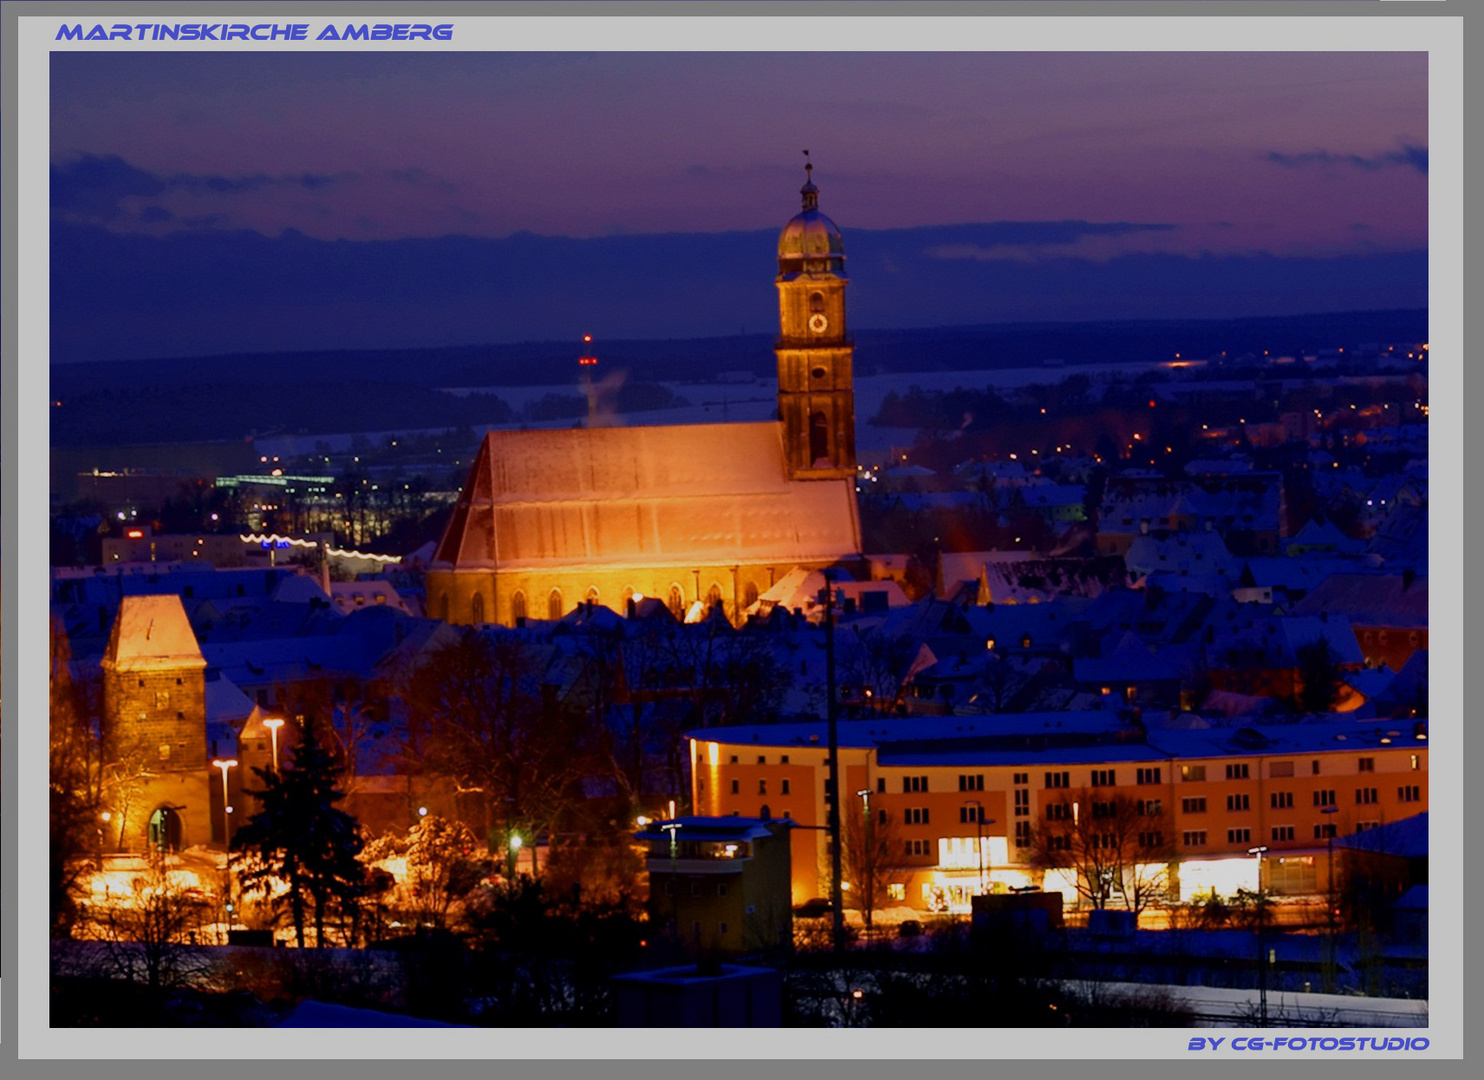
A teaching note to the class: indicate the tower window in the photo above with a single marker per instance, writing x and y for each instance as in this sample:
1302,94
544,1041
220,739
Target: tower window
554,605
818,373
819,437
816,303
518,606
476,610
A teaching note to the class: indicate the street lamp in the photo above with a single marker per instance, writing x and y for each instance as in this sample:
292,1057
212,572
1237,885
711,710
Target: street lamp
1262,966
514,852
673,828
273,725
978,837
1329,905
224,765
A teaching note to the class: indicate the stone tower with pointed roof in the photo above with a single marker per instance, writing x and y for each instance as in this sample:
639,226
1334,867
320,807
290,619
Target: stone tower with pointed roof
703,513
154,700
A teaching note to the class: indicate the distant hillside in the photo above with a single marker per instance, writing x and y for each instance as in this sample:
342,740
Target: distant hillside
230,396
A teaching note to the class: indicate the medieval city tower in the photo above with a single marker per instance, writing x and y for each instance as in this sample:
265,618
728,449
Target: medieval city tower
816,397
154,702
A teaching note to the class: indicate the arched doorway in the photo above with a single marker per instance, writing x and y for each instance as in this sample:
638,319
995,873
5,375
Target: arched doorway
164,830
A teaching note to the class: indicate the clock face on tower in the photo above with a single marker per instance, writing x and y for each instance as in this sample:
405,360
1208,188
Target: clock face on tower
818,323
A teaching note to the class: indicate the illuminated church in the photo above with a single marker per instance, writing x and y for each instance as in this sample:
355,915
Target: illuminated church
708,513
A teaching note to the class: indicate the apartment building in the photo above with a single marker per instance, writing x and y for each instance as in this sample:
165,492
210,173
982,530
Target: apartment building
958,803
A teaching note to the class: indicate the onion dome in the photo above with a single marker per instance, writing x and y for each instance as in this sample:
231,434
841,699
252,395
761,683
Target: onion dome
811,236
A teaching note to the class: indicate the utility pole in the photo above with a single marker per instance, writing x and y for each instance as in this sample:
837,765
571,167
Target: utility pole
837,896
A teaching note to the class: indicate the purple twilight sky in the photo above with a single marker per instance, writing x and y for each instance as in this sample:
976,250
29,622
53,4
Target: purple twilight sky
1309,156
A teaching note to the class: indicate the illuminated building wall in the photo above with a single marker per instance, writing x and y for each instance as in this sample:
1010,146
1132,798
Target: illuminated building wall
1218,807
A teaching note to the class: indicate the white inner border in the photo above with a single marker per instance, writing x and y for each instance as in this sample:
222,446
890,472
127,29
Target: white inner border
1440,38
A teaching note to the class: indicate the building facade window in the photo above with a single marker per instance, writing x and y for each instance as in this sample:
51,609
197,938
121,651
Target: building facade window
554,605
1237,772
917,848
1058,779
914,784
1022,834
1150,840
1325,831
1239,836
1103,778
1325,798
916,815
971,782
1194,837
1367,764
1280,769
1149,776
1282,832
783,788
1193,806
1058,812
1022,802
1280,800
1366,796
1238,802
1409,793
1190,773
1151,807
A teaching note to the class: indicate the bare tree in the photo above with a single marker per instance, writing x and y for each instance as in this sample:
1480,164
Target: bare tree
1119,847
481,716
872,845
150,934
873,668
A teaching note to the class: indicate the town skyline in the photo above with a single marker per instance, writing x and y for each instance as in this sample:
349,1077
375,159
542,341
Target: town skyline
401,201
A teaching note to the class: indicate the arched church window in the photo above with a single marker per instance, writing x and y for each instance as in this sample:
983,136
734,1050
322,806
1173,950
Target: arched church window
677,601
592,594
476,610
554,605
713,595
819,437
518,606
816,303
749,594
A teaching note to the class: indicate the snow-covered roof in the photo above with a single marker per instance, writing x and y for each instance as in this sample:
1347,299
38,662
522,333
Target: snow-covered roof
644,496
152,633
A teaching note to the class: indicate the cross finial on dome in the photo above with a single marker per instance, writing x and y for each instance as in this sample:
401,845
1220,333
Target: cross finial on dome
809,191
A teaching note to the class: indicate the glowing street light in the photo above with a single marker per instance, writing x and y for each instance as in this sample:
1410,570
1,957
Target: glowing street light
224,765
273,725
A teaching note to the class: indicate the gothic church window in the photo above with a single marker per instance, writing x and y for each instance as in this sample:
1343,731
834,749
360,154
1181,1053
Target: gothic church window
518,606
554,605
476,610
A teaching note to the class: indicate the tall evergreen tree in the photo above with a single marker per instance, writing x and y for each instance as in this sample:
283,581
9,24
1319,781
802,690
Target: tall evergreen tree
303,839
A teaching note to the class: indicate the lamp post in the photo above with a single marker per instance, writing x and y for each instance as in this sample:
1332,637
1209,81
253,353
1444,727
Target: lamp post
224,764
673,828
1329,904
1262,961
837,896
273,725
103,819
978,837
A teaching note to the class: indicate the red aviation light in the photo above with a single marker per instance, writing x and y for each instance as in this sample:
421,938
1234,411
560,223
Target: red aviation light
587,361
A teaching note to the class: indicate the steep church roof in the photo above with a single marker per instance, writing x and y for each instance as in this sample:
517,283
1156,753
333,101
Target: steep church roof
644,496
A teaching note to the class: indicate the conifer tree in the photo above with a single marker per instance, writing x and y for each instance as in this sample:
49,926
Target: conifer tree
303,839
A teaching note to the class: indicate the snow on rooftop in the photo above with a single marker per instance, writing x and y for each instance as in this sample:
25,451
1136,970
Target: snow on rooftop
152,633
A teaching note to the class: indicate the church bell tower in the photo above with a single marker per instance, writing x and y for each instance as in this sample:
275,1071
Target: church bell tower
816,395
